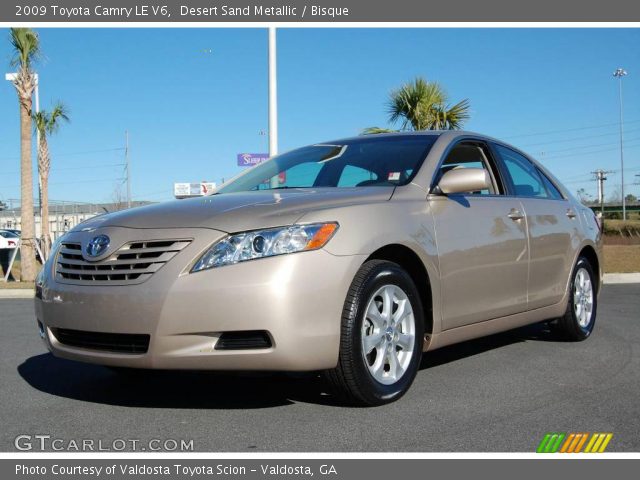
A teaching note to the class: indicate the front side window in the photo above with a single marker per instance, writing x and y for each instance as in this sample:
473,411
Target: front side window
471,155
367,161
524,175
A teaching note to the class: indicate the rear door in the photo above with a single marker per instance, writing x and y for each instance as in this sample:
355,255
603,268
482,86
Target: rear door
482,244
552,224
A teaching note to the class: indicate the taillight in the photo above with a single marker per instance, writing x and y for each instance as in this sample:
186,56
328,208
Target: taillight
598,220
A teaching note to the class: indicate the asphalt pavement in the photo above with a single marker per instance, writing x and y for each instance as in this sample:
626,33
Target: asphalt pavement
500,393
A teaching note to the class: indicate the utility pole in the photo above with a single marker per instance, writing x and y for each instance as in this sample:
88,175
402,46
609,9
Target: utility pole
601,176
126,157
619,73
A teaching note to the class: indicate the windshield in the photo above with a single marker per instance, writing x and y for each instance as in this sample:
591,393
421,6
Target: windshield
362,162
7,234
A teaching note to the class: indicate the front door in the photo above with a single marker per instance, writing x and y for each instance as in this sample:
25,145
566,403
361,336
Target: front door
482,245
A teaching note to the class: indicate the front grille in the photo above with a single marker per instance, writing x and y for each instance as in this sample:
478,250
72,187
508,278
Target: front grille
106,342
244,340
132,263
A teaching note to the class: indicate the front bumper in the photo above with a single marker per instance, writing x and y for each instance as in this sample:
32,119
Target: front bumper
296,298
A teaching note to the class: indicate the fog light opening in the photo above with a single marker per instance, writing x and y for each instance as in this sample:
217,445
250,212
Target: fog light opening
244,340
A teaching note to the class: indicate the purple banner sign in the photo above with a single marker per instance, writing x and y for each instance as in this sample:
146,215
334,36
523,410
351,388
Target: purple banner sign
251,159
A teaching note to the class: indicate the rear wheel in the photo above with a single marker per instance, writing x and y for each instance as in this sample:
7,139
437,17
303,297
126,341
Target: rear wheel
381,337
580,317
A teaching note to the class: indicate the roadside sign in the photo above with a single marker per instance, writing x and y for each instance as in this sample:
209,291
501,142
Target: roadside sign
193,189
251,159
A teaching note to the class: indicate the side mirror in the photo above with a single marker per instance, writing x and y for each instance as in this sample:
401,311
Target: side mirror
462,180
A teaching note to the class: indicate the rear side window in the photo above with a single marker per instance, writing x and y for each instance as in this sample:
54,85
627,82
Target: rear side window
524,175
552,190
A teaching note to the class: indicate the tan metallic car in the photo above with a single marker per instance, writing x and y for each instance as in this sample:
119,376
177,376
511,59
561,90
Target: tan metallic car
349,257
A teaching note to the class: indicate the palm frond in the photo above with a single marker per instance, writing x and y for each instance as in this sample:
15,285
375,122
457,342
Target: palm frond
59,113
376,130
415,104
47,122
26,47
40,121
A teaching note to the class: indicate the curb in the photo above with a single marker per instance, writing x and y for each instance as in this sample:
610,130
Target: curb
16,293
617,278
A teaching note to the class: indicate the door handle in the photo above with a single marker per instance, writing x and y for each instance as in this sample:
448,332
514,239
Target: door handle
515,214
571,214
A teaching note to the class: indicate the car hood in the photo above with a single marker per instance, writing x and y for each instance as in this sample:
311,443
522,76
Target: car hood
234,212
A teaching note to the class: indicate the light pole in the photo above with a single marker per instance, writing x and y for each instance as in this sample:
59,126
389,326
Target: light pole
273,102
273,94
619,73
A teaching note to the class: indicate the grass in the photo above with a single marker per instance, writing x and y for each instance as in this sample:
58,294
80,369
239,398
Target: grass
621,258
15,273
624,229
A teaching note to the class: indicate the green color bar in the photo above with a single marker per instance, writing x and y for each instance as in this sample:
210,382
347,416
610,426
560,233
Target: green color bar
551,443
558,442
543,443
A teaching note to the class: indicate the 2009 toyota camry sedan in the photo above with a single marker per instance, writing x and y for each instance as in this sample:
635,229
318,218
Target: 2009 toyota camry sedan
349,257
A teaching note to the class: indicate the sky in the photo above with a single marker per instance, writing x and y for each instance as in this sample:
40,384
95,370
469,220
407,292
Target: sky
192,99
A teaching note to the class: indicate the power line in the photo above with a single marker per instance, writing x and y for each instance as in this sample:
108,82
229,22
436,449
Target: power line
590,146
550,132
111,180
575,139
553,157
87,152
85,167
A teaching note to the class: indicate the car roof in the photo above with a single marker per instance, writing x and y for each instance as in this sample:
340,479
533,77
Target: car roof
450,134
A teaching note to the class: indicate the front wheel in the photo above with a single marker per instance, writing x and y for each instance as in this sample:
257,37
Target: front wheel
381,337
580,317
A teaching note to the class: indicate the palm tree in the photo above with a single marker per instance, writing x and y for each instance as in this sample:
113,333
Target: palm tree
26,49
422,105
47,123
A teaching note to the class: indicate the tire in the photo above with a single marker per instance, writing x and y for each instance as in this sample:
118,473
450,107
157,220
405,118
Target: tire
368,380
579,319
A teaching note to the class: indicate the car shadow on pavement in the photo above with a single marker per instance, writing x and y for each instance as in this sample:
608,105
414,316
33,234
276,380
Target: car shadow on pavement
214,390
169,389
540,332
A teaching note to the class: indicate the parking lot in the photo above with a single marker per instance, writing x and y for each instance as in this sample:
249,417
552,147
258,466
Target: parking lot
500,393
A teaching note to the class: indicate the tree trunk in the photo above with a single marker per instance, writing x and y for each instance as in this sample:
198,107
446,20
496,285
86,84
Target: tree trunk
27,251
43,171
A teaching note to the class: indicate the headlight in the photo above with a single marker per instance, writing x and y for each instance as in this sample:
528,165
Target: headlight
244,246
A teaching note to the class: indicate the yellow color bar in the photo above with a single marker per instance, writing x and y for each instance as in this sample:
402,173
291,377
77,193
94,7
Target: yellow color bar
591,442
606,441
599,440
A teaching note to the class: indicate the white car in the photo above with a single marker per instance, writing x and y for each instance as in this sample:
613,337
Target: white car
8,239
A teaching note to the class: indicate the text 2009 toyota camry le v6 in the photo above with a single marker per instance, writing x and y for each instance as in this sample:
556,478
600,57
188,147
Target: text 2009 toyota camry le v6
349,257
